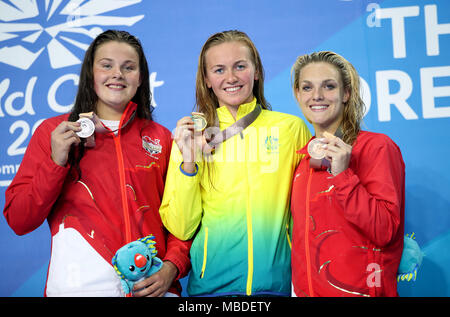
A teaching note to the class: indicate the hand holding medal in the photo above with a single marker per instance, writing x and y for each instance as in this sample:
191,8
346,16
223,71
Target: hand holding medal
62,138
330,151
89,124
190,139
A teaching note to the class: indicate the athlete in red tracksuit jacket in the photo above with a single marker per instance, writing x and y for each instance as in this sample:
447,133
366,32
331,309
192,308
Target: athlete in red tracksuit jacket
348,196
116,197
348,229
87,221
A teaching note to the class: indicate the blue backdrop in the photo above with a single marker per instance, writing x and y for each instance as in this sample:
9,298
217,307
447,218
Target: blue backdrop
401,49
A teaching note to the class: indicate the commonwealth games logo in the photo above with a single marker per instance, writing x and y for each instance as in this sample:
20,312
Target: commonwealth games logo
29,27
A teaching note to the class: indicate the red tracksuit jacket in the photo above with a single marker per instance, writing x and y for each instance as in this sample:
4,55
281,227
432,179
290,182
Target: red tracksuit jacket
115,202
348,230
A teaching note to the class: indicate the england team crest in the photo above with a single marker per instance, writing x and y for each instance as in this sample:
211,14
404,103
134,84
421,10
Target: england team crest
152,147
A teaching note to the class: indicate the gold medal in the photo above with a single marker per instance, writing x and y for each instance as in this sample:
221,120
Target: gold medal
199,121
87,127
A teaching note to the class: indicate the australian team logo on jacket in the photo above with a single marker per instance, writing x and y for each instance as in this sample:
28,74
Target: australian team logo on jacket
152,147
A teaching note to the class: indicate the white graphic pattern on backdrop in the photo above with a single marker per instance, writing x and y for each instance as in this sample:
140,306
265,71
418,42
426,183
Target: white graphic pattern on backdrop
80,15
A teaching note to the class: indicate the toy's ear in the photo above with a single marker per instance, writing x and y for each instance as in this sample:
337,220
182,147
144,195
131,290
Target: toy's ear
148,239
150,243
114,263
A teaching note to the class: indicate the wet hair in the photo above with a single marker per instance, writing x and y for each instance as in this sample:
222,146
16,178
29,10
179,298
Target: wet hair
354,108
206,100
86,98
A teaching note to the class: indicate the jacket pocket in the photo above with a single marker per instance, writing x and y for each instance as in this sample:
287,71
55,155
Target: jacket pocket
205,253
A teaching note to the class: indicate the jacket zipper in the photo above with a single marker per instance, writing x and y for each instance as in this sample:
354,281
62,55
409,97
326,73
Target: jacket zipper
249,236
205,253
126,214
308,255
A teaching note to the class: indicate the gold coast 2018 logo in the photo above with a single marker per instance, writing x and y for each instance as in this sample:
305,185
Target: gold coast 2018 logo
42,44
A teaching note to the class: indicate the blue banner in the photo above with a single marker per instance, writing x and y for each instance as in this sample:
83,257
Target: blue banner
401,49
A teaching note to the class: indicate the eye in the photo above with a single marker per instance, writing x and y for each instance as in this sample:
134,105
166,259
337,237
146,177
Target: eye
106,66
306,88
240,67
131,268
218,70
148,258
330,86
130,68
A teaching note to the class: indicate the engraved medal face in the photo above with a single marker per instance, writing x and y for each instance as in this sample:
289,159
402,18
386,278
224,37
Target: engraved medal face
87,128
315,149
199,121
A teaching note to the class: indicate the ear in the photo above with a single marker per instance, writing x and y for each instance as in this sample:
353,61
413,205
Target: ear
297,94
256,77
207,82
346,95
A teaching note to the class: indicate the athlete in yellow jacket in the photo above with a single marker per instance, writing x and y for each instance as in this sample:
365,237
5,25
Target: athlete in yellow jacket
237,205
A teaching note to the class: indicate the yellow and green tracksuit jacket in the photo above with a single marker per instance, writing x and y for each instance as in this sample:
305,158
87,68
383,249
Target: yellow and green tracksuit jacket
237,209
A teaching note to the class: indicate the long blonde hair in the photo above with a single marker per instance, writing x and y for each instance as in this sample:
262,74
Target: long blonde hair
206,100
354,108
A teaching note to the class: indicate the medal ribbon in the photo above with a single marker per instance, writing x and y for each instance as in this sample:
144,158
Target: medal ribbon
99,127
232,130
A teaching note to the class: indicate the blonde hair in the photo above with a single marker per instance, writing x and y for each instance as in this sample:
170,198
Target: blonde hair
354,108
206,100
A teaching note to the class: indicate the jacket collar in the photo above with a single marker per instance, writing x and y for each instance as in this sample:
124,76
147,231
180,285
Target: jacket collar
227,119
128,115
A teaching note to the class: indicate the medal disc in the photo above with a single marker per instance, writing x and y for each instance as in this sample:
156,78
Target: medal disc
315,149
87,128
199,121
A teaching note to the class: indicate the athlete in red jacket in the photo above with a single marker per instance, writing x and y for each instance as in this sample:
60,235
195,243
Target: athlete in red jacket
348,193
109,197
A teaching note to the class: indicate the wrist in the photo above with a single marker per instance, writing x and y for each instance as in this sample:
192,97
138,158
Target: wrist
189,168
171,269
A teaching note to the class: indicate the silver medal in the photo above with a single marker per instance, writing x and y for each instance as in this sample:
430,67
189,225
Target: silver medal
87,127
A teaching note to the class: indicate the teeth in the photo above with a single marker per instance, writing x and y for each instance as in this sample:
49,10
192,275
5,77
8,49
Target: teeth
319,107
231,89
116,86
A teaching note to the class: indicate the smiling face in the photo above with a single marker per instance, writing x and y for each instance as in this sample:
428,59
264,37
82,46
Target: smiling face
116,78
322,96
230,73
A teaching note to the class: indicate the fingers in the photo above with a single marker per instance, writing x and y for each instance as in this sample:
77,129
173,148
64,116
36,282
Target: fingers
337,152
62,138
67,126
184,131
158,283
188,140
150,287
185,124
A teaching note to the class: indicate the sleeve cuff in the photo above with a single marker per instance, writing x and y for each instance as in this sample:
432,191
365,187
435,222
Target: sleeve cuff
186,173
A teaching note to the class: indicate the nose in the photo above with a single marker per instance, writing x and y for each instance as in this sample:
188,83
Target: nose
317,94
231,78
117,72
140,260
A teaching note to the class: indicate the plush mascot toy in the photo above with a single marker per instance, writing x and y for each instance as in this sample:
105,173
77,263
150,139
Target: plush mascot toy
136,261
411,260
